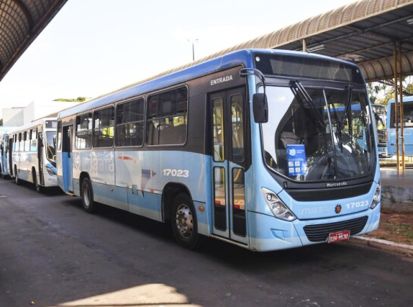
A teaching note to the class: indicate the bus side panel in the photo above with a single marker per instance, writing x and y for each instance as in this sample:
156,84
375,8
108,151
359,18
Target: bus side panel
81,163
144,174
102,174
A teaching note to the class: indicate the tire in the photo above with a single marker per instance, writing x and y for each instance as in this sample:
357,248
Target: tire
16,176
184,222
37,186
86,193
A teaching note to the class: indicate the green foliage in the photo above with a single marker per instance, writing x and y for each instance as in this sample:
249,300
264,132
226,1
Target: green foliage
381,92
78,99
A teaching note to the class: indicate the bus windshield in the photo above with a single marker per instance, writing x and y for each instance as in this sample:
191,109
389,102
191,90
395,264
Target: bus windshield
318,134
51,146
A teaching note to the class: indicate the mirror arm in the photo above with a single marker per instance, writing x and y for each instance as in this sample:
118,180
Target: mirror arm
253,71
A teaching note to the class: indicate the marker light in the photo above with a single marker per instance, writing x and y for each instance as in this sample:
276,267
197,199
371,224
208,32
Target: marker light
277,207
376,197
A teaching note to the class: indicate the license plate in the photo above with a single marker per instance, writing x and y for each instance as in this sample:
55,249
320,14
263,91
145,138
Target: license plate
338,236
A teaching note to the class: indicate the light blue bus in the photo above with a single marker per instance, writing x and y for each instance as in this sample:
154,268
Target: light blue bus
408,126
249,148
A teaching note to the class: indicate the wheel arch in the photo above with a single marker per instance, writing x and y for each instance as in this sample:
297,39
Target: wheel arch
82,176
169,192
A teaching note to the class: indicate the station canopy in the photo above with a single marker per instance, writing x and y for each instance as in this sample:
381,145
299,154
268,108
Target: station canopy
20,23
364,32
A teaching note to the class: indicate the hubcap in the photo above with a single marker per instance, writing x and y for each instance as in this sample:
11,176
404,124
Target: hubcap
184,220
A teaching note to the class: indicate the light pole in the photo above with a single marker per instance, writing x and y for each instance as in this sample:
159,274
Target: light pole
193,41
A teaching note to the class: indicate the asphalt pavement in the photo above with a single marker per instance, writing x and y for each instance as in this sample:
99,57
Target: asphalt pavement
52,253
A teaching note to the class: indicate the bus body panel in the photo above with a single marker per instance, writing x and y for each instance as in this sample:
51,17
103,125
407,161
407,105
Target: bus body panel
140,177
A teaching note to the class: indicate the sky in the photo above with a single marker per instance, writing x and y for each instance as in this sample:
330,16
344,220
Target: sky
92,47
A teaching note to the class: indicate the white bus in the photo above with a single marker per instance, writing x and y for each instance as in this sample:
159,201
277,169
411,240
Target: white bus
4,153
33,157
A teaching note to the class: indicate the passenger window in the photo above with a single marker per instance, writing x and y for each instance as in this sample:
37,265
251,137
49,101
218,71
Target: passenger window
83,138
130,123
167,118
25,142
103,127
20,145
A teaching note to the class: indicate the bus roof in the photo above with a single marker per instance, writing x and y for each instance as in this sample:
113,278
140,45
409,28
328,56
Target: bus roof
185,73
34,123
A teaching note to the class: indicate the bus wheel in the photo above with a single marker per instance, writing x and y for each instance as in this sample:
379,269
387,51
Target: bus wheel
86,193
16,176
183,222
37,186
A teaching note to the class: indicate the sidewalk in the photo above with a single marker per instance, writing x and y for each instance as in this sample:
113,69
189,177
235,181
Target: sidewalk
395,233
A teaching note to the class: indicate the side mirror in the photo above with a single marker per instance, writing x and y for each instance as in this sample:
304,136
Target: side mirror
260,108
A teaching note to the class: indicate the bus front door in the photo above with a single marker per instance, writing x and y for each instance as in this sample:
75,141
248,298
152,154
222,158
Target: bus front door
10,153
67,163
40,147
228,160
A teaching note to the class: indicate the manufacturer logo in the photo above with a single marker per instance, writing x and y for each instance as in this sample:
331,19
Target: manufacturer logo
336,184
337,209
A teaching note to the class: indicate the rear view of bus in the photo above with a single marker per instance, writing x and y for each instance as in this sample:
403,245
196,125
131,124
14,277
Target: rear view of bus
319,177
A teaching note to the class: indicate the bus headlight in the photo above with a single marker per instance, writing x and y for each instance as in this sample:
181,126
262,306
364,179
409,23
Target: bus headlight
277,207
376,197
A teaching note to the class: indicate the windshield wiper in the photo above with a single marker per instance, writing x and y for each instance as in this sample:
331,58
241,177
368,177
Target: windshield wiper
349,114
331,133
304,97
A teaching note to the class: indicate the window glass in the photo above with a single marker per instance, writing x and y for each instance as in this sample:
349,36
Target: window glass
20,144
33,141
129,123
238,201
407,115
59,135
103,133
26,141
83,138
237,122
167,118
220,203
218,128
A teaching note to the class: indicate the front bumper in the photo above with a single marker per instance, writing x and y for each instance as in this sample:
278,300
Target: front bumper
269,233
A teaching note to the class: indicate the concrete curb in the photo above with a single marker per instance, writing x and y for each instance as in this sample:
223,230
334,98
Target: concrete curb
404,249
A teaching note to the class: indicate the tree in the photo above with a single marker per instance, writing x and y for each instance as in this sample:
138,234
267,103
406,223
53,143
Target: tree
78,99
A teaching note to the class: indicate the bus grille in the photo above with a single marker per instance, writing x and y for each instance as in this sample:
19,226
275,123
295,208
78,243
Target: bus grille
319,233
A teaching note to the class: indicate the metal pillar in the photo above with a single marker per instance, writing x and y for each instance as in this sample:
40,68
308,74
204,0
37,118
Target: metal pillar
401,115
398,108
396,105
